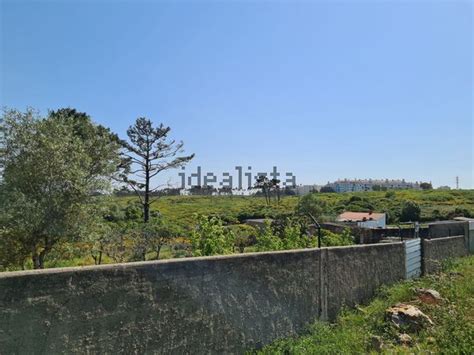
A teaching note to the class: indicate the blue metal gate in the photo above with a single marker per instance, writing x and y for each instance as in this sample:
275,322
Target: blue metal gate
413,258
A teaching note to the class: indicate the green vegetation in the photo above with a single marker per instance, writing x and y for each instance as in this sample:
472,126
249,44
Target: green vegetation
113,236
211,238
434,205
354,330
52,167
58,209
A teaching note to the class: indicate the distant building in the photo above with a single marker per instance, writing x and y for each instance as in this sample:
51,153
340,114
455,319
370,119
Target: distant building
444,188
363,219
305,189
258,222
347,185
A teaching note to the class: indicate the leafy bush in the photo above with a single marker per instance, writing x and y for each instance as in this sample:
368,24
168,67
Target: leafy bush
330,239
312,203
266,240
211,237
245,236
410,212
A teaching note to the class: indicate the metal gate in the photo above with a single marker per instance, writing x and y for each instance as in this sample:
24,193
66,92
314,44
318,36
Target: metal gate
413,258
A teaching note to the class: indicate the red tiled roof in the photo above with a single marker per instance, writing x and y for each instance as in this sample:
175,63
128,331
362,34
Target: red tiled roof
359,216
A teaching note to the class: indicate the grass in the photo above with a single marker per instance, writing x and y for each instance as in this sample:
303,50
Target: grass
452,333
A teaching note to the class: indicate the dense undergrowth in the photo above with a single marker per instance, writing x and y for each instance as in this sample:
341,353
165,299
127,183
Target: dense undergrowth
354,330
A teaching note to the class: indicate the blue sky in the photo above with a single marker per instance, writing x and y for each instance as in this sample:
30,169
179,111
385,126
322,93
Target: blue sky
325,90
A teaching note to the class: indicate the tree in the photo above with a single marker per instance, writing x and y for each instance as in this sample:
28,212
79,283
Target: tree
152,236
147,153
267,240
52,168
313,204
264,184
226,190
275,186
245,236
327,189
426,186
410,212
211,237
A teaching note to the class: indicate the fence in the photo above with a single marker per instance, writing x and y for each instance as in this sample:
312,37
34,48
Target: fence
224,304
413,258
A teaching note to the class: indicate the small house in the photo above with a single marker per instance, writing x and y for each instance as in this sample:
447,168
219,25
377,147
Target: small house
363,219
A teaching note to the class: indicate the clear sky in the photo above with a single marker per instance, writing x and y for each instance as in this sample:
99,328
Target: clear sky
324,89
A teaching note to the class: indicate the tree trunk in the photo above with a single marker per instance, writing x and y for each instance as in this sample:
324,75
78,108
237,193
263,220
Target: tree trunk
146,204
35,259
38,260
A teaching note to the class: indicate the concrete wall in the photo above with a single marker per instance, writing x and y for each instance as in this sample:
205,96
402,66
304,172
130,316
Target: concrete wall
353,274
447,228
438,249
196,305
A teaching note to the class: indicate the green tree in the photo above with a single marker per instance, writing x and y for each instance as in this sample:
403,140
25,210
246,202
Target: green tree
426,186
410,212
147,153
51,172
265,185
245,236
211,237
313,204
152,236
267,240
326,189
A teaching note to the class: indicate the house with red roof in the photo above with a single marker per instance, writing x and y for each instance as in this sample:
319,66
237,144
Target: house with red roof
364,219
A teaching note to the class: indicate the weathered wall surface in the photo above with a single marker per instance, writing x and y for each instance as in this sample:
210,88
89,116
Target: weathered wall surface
438,249
197,305
354,273
447,228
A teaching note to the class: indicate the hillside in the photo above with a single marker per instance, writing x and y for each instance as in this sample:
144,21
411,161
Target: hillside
435,204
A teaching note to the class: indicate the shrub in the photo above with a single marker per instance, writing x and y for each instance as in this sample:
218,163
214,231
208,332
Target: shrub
330,239
411,211
211,238
245,236
266,240
312,203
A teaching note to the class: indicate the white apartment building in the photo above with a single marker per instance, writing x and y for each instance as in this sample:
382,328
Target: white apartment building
348,185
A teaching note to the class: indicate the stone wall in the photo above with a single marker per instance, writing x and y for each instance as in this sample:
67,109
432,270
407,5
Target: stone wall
224,304
438,249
